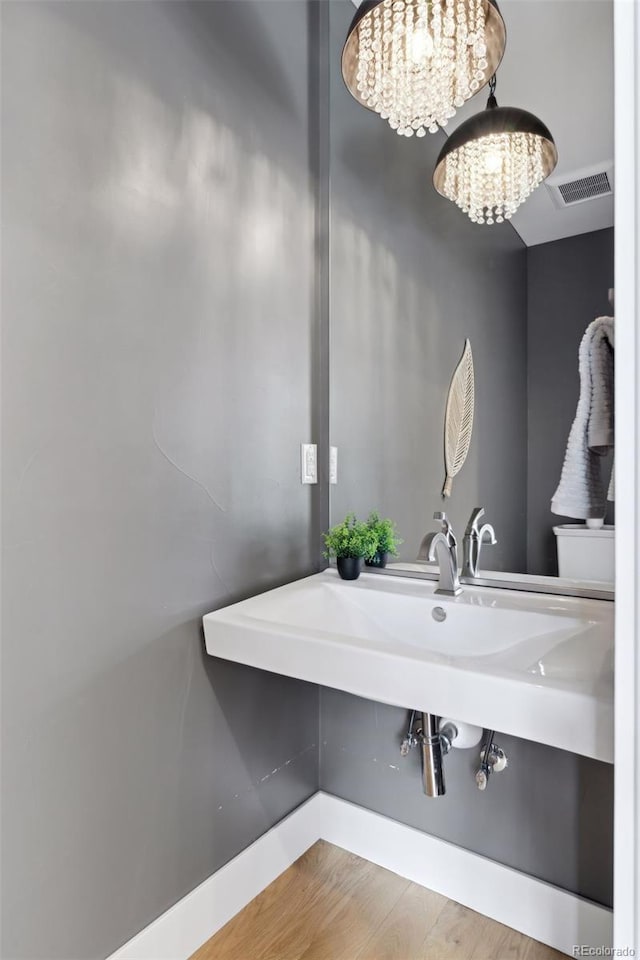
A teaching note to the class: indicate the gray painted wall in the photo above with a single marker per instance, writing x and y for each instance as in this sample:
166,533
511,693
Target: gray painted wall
568,283
410,279
159,368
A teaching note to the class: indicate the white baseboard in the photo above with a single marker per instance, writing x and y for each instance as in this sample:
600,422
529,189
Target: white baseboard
178,933
538,909
558,918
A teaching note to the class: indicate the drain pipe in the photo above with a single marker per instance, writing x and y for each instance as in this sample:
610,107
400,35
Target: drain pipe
434,746
436,737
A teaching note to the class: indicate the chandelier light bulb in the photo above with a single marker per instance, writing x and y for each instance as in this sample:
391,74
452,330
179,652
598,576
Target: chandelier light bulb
415,62
492,162
421,46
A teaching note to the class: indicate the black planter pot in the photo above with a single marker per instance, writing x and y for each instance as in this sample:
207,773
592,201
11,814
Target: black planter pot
378,559
349,567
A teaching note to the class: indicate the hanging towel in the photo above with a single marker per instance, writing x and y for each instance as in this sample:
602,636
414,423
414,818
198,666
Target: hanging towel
580,493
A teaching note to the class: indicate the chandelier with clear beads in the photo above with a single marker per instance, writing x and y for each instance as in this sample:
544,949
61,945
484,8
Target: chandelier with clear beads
494,160
489,178
415,62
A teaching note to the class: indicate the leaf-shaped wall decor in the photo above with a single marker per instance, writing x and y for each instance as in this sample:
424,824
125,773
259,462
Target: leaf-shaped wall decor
458,420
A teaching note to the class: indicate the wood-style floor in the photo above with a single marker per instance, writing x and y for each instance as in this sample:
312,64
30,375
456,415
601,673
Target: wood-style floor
332,905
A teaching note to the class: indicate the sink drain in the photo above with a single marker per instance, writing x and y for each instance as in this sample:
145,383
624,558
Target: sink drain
439,614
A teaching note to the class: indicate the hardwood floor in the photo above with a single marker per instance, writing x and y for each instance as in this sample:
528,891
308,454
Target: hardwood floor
332,905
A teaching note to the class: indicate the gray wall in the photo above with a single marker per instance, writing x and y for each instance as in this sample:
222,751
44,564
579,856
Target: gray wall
159,368
568,283
411,278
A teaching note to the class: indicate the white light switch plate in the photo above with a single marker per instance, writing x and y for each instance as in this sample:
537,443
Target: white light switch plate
309,463
333,464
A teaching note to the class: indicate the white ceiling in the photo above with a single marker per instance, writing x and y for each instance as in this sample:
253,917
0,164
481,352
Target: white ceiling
558,64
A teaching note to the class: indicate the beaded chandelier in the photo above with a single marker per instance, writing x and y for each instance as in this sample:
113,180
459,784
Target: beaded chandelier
493,161
415,61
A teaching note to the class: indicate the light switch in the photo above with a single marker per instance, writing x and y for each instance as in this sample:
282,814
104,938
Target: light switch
333,464
309,463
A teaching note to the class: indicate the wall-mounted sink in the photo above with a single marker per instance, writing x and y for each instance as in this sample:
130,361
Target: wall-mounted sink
535,666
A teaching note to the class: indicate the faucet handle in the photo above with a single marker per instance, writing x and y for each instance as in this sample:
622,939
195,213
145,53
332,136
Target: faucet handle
447,529
476,514
487,534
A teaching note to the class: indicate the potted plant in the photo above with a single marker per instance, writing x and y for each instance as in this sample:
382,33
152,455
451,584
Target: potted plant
349,542
386,537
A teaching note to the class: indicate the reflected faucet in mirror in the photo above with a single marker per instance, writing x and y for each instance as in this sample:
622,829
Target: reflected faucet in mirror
441,545
474,536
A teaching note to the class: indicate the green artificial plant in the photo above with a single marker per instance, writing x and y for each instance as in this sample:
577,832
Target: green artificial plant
385,533
351,538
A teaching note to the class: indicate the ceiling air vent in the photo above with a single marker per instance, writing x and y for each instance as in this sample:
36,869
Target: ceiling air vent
581,186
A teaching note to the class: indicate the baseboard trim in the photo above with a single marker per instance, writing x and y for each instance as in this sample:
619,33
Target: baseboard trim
533,907
189,923
554,916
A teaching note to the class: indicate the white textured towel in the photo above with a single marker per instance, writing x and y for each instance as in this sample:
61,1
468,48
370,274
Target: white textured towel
580,493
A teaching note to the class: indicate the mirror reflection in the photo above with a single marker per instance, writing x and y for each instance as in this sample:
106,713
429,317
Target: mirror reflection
412,279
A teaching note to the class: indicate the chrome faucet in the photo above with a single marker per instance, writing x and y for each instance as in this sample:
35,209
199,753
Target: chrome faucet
474,536
443,546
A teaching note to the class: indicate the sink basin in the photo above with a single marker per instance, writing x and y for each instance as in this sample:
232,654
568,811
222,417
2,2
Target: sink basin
535,666
470,628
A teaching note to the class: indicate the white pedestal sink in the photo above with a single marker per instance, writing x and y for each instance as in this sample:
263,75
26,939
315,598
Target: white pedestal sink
535,666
